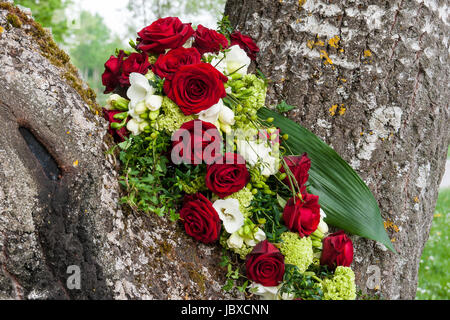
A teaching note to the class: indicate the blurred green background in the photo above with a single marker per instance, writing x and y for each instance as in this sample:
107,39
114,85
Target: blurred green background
90,31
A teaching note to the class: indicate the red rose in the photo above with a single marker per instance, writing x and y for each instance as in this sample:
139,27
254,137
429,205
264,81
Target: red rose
113,71
200,219
265,264
246,43
196,87
208,40
227,175
337,250
118,135
165,33
168,64
299,167
118,70
136,62
303,215
196,141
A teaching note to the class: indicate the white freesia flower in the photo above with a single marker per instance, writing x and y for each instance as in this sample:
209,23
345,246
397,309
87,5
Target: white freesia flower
259,153
153,102
235,60
229,213
266,293
270,293
235,241
323,227
133,127
110,100
142,97
212,114
259,236
226,116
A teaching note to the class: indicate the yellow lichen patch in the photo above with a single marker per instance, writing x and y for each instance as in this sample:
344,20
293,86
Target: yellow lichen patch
301,3
390,225
333,109
315,43
324,55
334,42
367,53
361,133
1,29
76,163
393,240
416,199
343,80
342,110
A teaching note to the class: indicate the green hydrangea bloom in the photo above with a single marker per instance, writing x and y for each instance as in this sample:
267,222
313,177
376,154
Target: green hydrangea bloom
341,286
297,251
245,198
254,96
171,118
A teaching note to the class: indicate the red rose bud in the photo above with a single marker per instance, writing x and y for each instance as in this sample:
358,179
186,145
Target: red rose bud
118,134
227,175
200,219
265,264
168,64
135,63
337,250
208,40
246,43
299,166
196,142
196,87
165,33
118,70
303,215
113,72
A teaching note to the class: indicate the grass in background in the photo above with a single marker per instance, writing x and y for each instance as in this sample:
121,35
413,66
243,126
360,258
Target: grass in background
434,275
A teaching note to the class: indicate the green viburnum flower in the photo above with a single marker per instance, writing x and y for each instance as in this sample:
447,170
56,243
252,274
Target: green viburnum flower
297,251
171,118
341,286
245,198
251,91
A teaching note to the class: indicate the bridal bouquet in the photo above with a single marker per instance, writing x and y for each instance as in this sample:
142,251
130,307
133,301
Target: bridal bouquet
198,145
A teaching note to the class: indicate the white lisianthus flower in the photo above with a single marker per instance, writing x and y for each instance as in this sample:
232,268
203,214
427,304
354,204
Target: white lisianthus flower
235,60
259,236
133,127
229,213
235,241
259,154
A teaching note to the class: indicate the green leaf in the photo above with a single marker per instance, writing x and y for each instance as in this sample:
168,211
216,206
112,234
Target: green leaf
284,107
343,195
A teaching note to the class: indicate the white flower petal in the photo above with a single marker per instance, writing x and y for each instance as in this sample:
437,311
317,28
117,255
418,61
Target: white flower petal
235,241
259,236
139,88
212,114
266,293
229,213
237,61
226,116
133,127
154,102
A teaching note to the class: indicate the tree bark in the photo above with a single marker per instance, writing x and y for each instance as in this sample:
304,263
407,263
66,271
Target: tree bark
59,192
371,79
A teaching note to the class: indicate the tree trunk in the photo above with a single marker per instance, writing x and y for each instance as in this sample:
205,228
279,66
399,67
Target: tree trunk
59,194
371,79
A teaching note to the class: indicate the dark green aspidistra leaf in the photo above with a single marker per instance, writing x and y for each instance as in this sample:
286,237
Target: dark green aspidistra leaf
343,195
